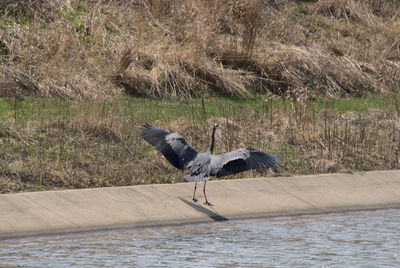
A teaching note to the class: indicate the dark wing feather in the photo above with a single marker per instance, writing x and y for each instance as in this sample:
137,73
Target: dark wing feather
172,145
242,160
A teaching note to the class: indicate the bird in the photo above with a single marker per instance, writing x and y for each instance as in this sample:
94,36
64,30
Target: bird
202,165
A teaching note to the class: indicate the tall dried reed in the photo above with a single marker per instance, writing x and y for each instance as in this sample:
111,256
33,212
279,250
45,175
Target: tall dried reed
91,49
60,144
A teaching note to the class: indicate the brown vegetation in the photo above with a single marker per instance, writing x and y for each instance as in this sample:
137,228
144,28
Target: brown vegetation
99,49
89,49
60,145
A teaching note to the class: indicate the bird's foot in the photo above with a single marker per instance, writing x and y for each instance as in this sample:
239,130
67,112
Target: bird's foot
194,200
208,204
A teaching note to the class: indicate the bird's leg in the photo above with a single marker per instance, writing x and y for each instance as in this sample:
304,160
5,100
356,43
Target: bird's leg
204,192
194,192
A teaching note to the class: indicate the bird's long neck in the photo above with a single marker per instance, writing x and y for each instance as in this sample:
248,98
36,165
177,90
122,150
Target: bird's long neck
212,140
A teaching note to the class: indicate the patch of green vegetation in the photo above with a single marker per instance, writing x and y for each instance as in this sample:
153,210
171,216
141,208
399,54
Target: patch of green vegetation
360,104
18,17
194,109
76,18
110,29
169,110
24,110
72,13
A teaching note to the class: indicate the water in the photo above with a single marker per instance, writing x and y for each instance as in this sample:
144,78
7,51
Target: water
353,239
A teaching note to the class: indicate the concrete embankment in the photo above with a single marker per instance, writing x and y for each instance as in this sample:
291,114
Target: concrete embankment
54,212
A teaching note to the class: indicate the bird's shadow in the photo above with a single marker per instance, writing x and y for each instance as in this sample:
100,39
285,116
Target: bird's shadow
201,209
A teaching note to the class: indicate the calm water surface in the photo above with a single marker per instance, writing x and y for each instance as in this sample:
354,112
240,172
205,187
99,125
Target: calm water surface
353,239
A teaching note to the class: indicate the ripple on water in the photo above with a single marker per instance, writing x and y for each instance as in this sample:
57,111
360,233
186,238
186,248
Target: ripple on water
367,238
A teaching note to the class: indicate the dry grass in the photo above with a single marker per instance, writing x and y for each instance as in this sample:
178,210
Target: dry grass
90,49
359,11
97,50
59,145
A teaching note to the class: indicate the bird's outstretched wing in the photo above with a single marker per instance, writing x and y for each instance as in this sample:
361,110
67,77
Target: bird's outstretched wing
241,160
172,145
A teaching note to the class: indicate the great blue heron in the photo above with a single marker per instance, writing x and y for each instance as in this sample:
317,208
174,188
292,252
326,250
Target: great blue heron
202,165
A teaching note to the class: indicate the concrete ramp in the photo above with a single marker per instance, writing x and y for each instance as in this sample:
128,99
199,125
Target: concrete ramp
52,212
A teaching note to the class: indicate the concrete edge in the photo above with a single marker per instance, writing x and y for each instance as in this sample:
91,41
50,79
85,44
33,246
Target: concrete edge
55,212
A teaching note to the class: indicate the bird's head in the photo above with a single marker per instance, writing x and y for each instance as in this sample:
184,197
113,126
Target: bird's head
215,127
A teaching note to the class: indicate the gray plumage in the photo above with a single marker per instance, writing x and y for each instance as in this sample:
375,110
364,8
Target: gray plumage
201,166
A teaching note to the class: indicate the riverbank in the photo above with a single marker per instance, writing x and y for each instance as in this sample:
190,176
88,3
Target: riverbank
54,144
97,49
316,81
54,212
